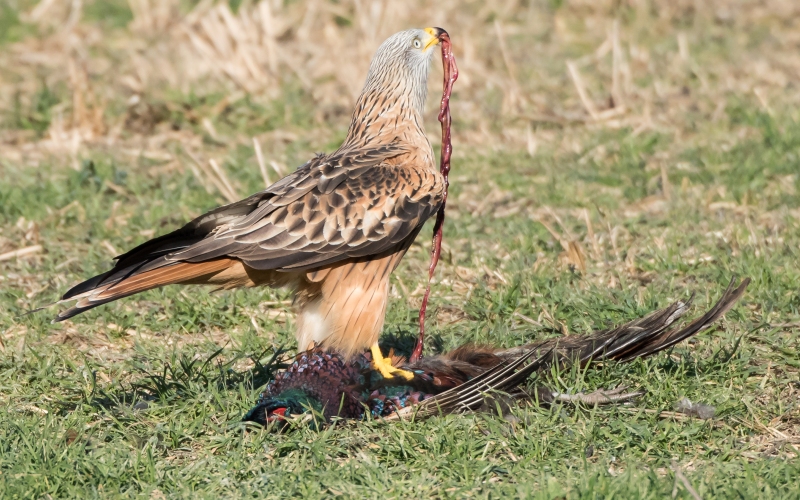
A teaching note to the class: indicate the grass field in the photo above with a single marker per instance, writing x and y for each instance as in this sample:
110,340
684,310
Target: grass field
659,140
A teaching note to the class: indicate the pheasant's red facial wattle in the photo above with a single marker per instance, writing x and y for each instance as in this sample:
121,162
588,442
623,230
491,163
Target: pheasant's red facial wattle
278,414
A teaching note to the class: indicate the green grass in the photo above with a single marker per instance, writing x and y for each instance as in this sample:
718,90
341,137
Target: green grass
165,413
143,398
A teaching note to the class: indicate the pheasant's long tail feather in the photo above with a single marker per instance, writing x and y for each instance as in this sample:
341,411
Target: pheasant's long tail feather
169,274
668,339
511,367
636,339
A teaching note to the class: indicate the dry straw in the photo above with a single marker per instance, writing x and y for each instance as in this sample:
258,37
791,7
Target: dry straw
324,46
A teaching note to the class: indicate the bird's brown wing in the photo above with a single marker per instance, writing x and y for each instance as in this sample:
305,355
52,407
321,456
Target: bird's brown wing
346,205
352,213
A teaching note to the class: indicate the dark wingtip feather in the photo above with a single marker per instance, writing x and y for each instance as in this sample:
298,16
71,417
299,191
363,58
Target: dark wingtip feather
85,286
72,311
78,309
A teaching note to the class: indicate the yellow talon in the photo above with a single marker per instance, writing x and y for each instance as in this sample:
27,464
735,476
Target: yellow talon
384,365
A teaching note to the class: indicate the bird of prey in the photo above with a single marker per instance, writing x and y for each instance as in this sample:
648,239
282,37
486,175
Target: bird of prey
332,231
463,379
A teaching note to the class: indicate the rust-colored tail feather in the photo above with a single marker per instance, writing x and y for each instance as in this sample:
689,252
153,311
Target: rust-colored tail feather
169,274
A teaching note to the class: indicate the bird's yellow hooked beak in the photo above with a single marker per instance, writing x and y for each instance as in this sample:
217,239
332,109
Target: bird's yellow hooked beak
435,34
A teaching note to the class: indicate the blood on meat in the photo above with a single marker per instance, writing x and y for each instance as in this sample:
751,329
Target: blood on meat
450,76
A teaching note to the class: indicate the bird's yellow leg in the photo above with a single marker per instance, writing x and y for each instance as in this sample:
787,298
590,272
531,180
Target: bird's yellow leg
384,365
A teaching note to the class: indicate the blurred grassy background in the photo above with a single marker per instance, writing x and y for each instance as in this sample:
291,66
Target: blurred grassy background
609,156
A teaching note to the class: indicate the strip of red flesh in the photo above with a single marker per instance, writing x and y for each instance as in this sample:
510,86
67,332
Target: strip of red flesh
450,76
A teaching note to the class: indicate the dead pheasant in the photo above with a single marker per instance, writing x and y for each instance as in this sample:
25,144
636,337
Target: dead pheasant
324,383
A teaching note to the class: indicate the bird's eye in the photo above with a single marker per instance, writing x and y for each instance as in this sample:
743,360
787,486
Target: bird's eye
417,43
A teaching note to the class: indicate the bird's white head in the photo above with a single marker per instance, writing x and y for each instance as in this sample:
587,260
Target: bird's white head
401,65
